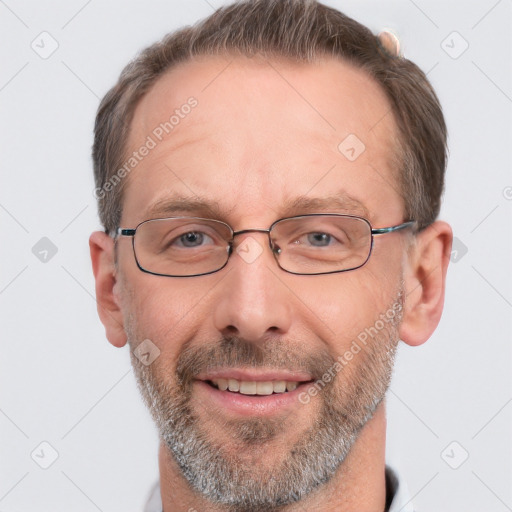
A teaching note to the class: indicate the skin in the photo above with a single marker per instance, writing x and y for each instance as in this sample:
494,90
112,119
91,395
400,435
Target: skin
263,133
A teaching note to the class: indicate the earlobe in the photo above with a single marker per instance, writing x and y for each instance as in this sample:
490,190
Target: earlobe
425,282
102,256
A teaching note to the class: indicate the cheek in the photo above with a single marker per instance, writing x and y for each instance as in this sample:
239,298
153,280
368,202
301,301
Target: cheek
162,312
346,304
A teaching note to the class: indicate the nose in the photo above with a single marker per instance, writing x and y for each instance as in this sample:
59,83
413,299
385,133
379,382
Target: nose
252,299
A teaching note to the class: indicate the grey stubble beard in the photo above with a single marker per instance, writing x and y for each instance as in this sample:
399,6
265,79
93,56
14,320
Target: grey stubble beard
227,479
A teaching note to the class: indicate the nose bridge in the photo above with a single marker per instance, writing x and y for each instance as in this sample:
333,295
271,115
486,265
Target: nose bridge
249,248
252,301
255,230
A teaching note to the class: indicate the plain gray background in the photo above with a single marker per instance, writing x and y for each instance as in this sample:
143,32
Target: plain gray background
62,383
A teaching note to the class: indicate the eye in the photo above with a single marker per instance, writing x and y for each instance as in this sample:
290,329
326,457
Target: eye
187,237
319,239
192,239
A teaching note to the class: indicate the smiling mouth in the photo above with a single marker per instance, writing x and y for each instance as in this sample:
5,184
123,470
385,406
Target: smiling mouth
255,388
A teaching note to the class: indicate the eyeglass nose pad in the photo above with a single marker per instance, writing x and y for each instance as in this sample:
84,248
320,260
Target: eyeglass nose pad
275,249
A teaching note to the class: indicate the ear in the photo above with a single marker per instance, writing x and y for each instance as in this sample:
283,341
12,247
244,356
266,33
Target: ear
425,280
102,256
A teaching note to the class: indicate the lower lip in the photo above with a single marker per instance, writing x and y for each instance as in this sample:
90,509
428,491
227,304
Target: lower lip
249,405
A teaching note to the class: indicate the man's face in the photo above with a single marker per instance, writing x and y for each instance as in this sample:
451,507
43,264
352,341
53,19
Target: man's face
262,135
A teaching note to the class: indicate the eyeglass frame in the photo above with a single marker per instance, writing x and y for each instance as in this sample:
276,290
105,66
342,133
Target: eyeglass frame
131,232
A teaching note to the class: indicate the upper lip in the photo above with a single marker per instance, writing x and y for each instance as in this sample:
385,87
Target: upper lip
255,375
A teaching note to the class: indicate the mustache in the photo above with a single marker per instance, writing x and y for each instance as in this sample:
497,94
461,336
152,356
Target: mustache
236,352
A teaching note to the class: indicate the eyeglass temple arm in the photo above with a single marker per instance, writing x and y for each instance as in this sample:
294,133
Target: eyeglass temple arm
382,231
124,232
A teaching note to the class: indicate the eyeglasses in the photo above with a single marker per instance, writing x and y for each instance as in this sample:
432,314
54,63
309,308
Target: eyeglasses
310,244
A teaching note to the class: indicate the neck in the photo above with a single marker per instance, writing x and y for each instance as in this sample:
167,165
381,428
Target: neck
358,485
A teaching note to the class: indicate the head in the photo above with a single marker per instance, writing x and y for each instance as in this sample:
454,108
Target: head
263,111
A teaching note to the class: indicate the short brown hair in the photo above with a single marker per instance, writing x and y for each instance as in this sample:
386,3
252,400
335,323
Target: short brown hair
299,30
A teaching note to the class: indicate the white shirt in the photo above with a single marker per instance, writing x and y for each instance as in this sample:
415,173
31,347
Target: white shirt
395,485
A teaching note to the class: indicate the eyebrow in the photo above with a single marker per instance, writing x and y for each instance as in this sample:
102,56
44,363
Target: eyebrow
338,203
175,205
198,206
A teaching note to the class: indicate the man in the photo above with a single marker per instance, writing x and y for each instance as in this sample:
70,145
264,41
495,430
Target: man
269,182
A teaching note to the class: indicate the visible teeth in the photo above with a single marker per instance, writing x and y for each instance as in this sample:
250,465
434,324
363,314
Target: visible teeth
264,388
223,384
234,385
247,388
290,386
279,386
255,388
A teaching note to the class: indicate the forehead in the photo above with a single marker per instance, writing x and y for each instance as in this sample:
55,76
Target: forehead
267,135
